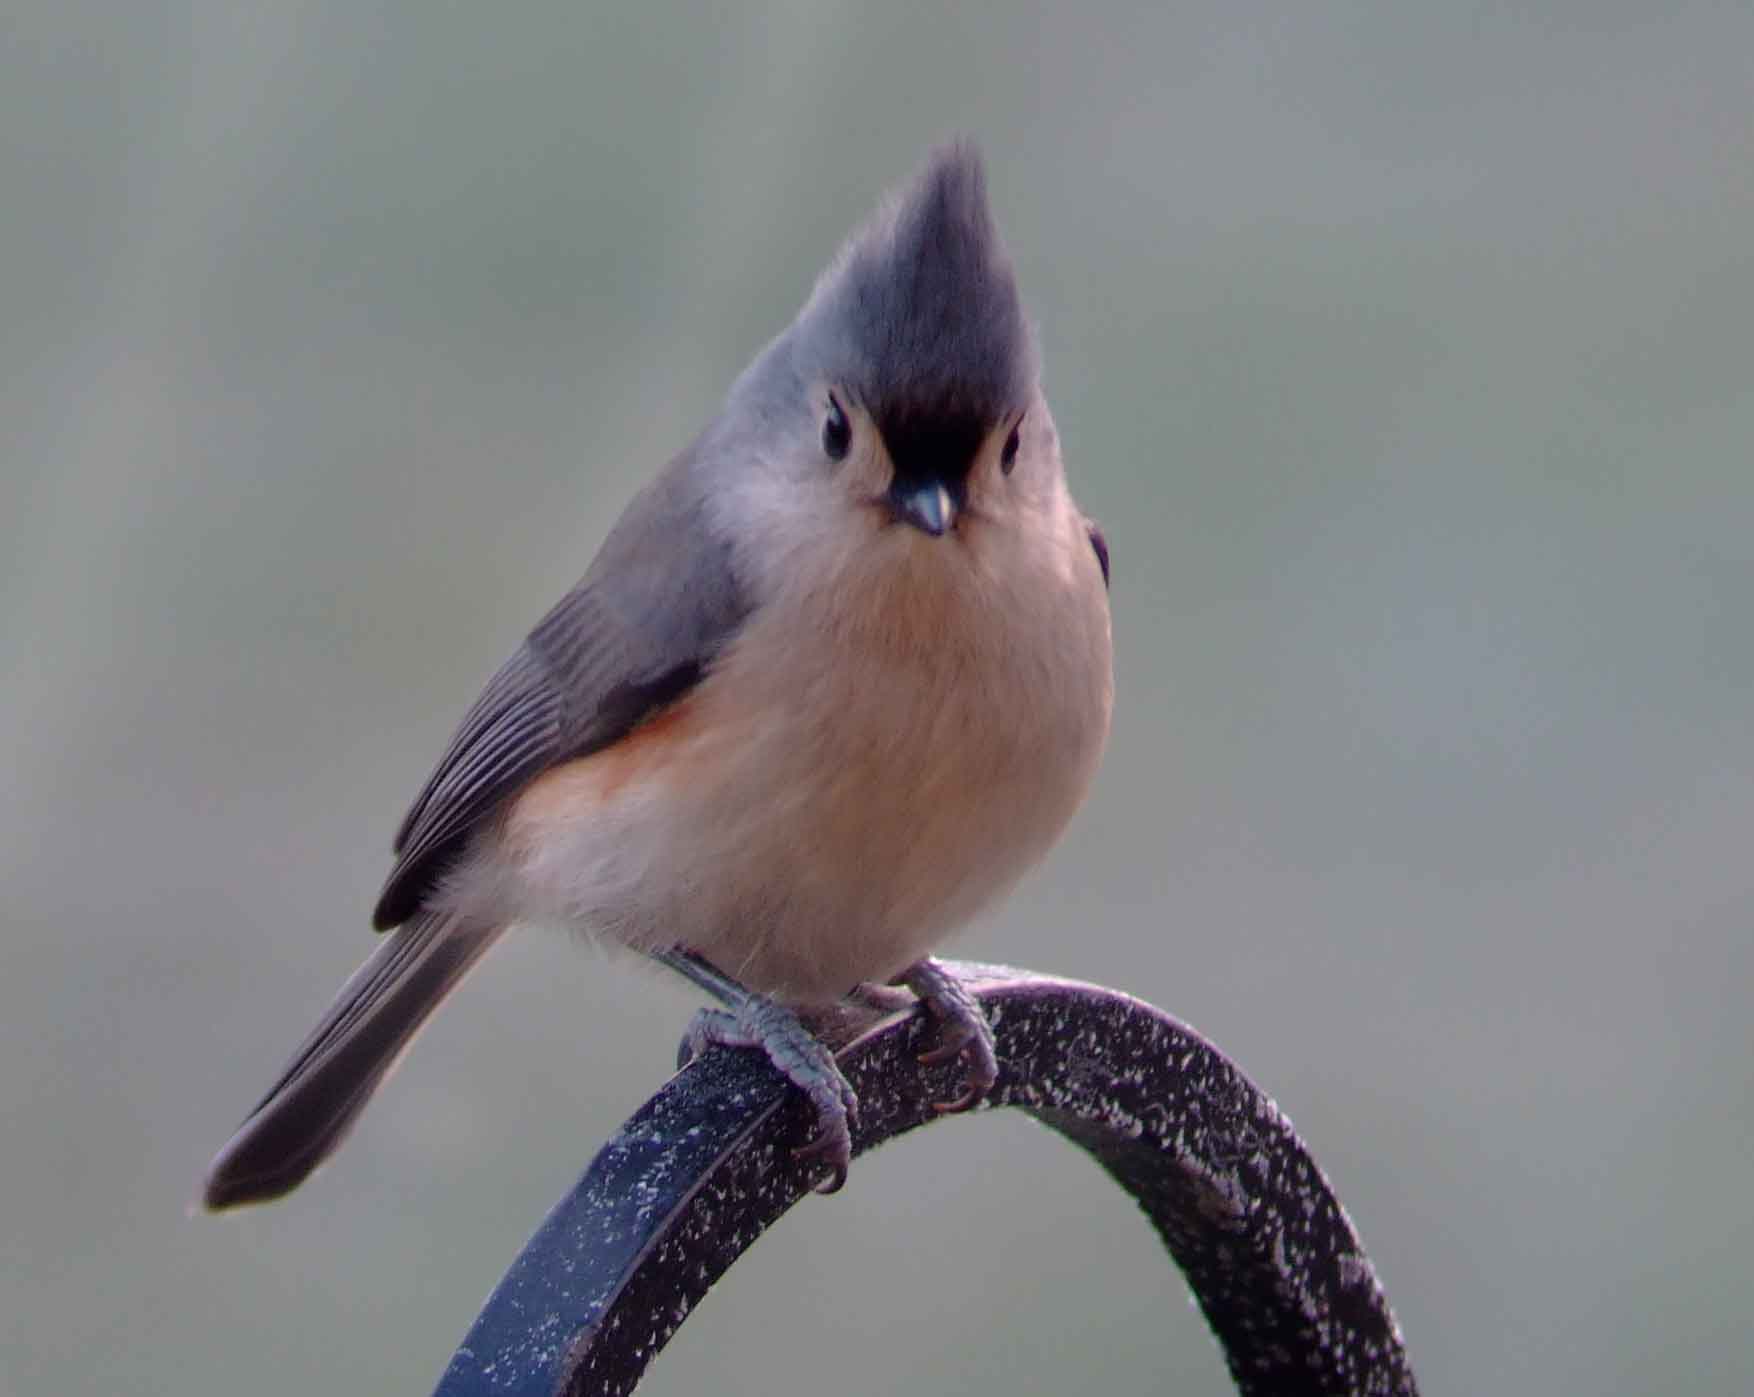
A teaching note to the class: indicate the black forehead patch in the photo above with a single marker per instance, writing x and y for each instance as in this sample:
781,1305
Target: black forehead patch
920,316
932,445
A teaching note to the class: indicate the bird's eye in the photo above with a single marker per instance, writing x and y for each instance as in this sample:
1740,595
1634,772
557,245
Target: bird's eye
837,432
1008,457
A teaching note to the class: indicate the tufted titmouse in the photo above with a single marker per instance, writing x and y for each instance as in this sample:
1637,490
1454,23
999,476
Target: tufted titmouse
836,679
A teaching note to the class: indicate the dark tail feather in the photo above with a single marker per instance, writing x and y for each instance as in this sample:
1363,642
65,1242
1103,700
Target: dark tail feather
310,1109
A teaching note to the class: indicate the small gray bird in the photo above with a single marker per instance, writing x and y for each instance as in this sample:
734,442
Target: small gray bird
837,678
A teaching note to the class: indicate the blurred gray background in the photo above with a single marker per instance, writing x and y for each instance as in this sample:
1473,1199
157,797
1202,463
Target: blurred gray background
1404,352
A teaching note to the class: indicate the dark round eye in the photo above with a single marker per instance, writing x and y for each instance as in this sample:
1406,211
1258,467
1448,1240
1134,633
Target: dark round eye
1008,457
837,432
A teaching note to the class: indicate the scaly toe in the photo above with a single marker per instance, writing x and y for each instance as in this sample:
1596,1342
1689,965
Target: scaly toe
803,1059
953,1042
963,1032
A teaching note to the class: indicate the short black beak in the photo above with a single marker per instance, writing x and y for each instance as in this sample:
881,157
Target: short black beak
926,504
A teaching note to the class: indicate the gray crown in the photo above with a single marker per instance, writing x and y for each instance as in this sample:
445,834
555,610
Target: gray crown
920,320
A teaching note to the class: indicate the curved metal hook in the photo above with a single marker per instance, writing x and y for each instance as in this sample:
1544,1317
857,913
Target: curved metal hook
706,1165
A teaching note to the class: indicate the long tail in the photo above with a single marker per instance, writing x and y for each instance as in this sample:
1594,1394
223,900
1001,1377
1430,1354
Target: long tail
298,1124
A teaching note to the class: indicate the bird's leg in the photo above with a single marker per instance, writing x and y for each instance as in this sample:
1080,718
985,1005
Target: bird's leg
703,974
964,1031
750,1020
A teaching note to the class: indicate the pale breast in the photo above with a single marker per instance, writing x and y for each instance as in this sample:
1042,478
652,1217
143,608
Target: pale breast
858,776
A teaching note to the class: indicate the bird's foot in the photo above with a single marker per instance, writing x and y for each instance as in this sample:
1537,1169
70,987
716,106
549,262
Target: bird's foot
803,1059
963,1033
874,998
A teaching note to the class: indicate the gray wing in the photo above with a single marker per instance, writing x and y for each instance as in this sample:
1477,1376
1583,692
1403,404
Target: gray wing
658,604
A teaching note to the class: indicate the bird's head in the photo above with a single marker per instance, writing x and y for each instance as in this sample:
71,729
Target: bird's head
906,393
916,357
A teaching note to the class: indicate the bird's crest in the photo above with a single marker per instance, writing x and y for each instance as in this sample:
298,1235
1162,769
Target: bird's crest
919,316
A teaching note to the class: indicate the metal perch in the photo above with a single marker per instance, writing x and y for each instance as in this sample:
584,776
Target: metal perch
706,1165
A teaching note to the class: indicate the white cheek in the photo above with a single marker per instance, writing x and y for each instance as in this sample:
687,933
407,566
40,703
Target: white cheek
792,524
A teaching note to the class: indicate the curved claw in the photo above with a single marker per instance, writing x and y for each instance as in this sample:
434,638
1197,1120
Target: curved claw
837,1112
966,1102
964,1033
983,1073
833,1145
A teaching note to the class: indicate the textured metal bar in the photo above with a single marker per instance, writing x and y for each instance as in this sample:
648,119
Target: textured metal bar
705,1165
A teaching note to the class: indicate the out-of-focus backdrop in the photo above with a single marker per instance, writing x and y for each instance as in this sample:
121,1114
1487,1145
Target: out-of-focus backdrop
1405,353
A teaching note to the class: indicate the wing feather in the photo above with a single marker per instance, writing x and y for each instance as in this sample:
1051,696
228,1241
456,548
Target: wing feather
659,602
